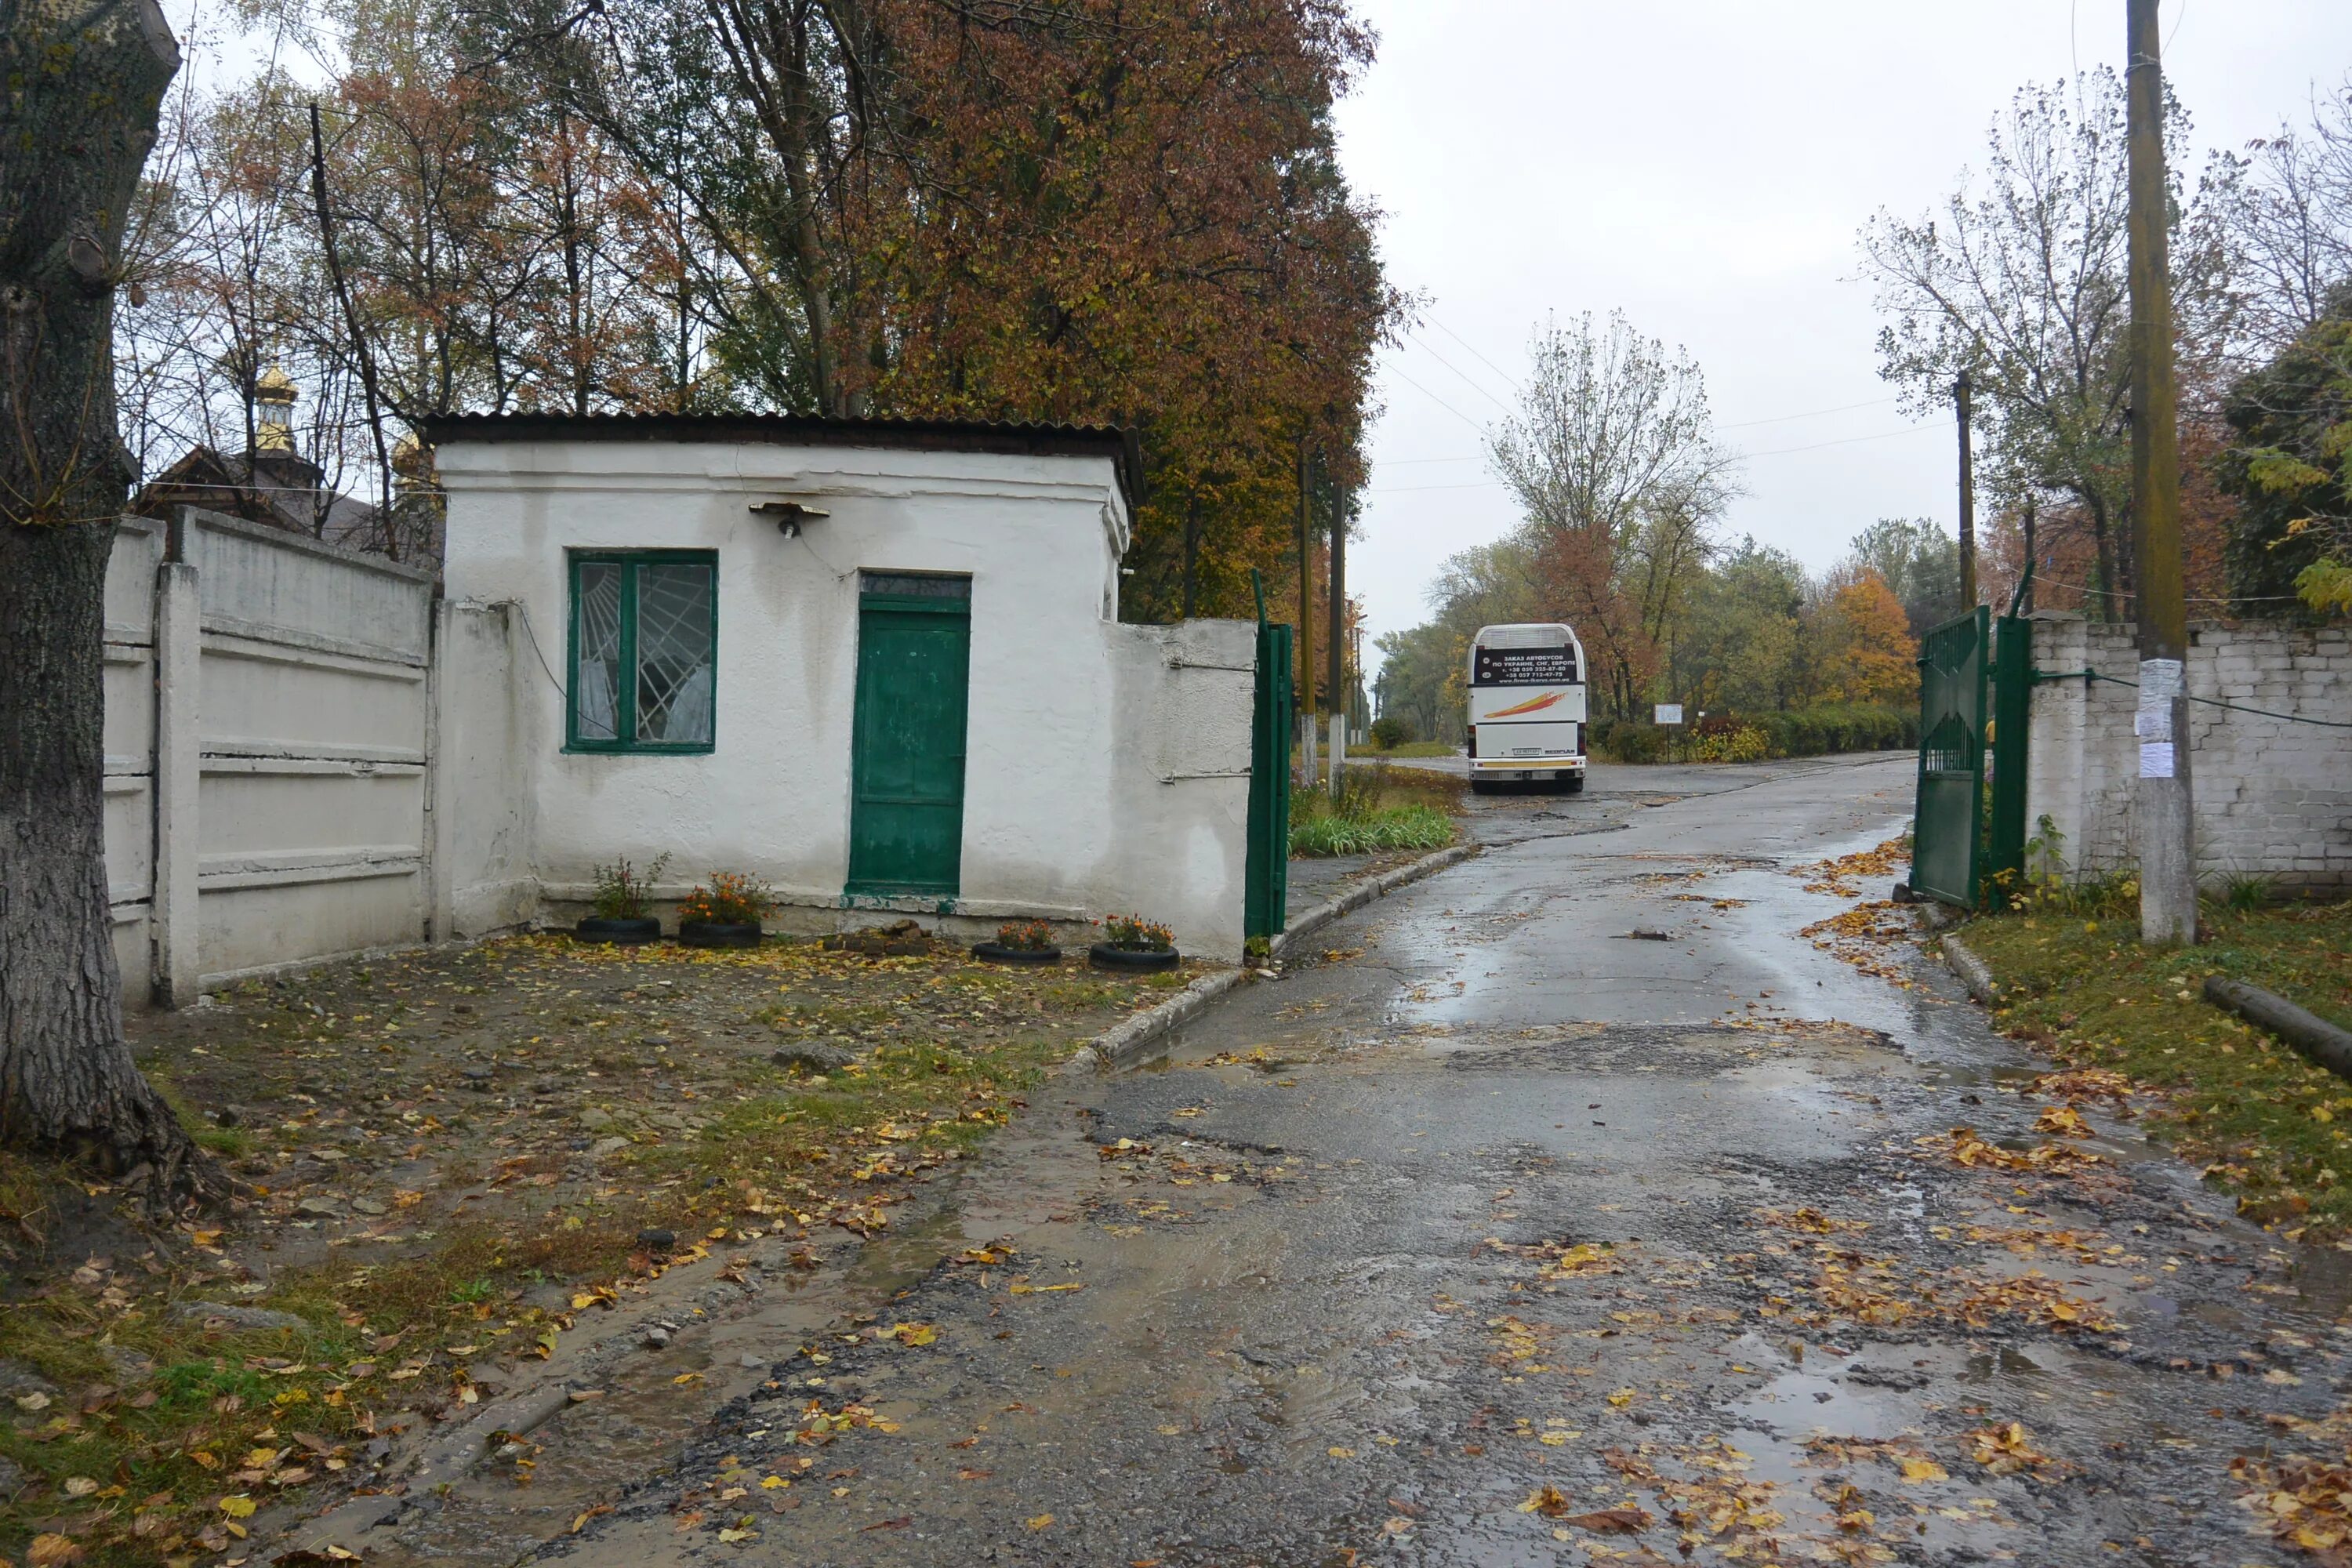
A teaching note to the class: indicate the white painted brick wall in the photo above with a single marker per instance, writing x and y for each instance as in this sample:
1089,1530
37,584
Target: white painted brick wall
2273,795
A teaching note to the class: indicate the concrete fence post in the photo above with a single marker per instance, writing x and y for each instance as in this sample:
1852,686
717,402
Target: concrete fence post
179,654
440,811
2053,757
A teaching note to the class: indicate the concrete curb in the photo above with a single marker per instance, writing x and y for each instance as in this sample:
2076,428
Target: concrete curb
1370,888
2316,1038
1971,971
1117,1047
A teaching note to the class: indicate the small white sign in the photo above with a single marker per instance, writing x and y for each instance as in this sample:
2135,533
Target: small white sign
2159,683
1670,712
2156,759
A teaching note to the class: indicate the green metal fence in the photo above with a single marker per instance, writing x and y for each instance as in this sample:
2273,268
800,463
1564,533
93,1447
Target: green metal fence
1946,830
1976,682
1265,902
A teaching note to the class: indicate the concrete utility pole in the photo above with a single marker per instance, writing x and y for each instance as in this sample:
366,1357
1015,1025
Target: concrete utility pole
1306,625
2165,823
1339,637
1961,389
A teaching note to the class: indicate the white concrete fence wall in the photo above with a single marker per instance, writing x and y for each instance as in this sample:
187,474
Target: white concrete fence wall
2273,795
308,755
268,737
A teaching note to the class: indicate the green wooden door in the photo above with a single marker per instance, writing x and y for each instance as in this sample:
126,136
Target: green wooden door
905,819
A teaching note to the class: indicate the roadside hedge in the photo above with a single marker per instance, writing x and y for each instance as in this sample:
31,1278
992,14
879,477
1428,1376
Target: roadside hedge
1808,732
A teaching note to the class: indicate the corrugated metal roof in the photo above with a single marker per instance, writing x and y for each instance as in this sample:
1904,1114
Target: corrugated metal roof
810,430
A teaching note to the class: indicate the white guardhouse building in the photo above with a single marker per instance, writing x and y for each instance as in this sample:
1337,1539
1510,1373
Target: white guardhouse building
876,664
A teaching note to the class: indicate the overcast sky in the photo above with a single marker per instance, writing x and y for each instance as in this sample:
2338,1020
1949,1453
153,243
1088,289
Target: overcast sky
1704,164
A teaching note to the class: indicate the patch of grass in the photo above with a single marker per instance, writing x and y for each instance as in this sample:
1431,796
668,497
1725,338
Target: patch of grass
1379,809
1384,829
2273,1128
344,1078
1411,749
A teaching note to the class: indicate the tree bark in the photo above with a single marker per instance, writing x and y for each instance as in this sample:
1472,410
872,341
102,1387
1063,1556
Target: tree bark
85,79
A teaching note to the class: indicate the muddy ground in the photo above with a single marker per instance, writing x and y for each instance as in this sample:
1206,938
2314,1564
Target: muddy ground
458,1171
1507,1234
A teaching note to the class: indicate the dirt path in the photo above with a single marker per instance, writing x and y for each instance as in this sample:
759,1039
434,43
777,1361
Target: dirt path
1505,1237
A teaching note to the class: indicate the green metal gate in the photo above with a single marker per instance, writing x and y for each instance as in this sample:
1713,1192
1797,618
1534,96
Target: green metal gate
1976,679
1266,898
1946,828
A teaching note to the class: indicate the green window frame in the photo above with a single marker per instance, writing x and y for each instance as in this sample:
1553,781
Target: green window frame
641,667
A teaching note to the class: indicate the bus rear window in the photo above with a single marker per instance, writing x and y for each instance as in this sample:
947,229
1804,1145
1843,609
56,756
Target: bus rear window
1524,667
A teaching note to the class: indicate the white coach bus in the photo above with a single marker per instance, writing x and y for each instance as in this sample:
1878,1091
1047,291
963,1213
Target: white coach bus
1527,706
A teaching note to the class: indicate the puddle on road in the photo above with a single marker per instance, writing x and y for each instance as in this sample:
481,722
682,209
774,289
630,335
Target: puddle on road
902,1259
2323,1276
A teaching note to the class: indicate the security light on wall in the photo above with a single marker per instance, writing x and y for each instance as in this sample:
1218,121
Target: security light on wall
789,515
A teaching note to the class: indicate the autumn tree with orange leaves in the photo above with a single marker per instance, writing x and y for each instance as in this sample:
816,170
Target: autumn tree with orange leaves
1124,212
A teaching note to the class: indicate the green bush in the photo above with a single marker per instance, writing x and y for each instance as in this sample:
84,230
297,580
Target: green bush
1827,730
1630,741
1734,737
1390,731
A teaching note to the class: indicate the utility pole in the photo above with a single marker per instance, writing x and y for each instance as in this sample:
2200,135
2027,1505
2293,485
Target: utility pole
2162,814
1961,389
2032,502
1306,625
1339,637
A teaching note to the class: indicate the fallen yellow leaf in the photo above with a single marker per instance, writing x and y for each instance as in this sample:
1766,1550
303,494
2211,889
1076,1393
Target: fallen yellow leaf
1041,1521
50,1550
1924,1470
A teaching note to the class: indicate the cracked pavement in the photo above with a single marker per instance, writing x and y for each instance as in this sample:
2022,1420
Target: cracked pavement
1491,1235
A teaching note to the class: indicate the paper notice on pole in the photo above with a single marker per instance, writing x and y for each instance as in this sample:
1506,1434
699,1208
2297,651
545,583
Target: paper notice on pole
2156,759
2159,683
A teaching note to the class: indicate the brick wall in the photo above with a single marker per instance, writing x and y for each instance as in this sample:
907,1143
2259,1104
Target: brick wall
2274,796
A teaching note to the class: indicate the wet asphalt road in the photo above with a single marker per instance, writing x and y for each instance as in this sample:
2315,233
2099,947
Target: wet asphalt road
1486,1198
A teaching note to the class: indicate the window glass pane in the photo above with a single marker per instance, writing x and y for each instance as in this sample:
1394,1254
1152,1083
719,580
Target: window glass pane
596,684
674,673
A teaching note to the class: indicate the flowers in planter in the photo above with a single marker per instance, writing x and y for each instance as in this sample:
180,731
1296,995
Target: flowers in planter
731,899
1024,936
618,893
1133,933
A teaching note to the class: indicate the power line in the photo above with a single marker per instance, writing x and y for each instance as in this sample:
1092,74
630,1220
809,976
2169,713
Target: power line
1850,440
1466,343
1449,365
1408,381
1776,452
1814,414
1409,489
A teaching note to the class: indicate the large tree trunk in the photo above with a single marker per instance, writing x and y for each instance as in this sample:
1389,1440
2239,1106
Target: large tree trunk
84,81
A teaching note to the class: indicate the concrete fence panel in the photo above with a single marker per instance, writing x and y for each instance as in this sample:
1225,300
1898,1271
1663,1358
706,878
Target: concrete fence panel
2272,787
268,737
1180,779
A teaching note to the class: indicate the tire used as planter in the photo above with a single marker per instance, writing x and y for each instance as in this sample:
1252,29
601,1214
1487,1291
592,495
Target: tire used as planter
1102,955
628,930
718,933
997,952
